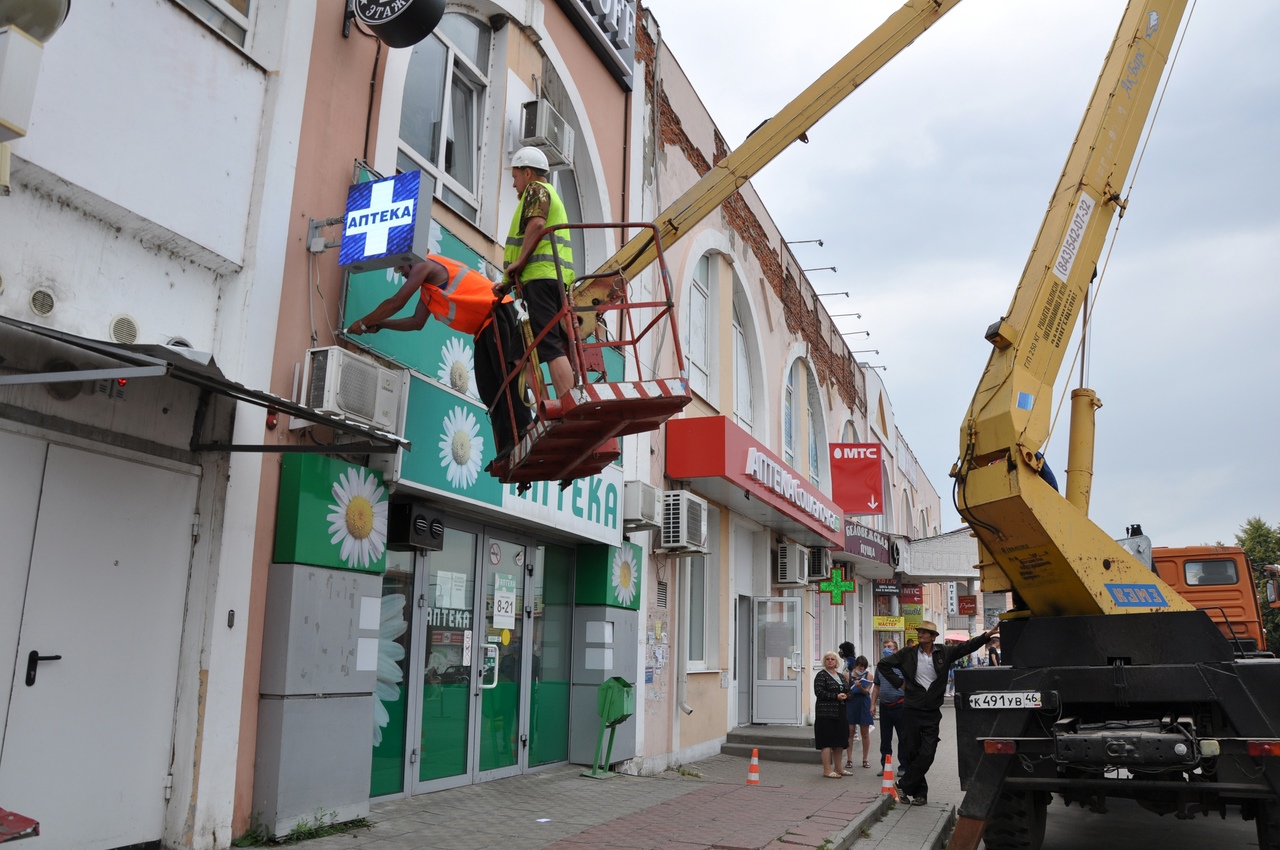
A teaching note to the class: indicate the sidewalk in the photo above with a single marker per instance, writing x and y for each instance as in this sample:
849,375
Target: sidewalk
707,806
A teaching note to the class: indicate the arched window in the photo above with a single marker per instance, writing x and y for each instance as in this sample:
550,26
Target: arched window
850,433
699,326
817,433
743,407
443,110
789,416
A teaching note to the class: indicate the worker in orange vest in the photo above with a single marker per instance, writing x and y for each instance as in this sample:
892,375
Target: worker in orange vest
467,301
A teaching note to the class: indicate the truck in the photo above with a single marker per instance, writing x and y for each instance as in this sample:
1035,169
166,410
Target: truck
1127,671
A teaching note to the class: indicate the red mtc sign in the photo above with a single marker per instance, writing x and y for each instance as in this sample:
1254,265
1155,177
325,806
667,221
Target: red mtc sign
857,485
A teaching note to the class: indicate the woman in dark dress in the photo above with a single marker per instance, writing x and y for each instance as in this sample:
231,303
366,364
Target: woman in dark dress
859,707
830,728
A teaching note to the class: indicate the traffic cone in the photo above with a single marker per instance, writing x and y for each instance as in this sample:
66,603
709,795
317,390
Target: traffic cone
753,770
887,785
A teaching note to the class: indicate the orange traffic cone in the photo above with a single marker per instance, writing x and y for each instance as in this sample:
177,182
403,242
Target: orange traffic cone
753,770
887,785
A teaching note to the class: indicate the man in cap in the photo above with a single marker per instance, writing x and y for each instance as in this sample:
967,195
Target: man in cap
924,679
530,257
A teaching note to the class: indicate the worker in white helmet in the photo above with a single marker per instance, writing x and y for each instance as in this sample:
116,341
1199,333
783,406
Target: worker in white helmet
530,257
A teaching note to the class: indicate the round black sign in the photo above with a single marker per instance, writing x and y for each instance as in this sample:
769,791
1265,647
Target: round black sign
400,23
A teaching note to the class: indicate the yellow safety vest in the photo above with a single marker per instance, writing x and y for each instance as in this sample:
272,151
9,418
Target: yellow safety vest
542,263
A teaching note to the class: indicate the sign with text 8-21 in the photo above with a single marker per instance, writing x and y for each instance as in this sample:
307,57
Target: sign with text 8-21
387,222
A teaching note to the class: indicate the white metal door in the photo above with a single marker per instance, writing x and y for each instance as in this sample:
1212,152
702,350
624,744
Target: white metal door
86,747
776,680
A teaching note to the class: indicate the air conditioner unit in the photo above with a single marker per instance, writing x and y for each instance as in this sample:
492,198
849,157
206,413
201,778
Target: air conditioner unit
544,128
793,564
640,509
684,522
351,386
819,564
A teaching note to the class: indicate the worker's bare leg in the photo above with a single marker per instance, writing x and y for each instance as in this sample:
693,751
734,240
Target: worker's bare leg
561,375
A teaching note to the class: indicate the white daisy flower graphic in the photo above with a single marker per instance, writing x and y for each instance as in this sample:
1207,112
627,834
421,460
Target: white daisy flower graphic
458,367
461,447
390,654
623,576
359,520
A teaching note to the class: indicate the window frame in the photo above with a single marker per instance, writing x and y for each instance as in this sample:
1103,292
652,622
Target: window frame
230,15
699,335
461,71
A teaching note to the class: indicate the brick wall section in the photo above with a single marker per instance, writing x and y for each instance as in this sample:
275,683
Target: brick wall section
831,365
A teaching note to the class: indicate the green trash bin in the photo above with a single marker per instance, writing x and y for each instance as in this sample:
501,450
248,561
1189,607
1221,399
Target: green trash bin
615,703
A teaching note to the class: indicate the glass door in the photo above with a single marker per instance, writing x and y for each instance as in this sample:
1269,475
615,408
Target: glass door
776,680
446,634
499,659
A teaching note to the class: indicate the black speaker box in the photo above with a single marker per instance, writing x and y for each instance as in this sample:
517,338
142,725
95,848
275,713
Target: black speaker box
412,525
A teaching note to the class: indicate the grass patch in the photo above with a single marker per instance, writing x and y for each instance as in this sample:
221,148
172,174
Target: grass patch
324,823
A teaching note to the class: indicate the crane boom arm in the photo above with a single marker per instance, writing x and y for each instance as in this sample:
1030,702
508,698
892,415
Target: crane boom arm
1047,548
726,177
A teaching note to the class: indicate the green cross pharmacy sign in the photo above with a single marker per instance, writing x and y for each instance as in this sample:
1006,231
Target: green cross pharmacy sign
838,586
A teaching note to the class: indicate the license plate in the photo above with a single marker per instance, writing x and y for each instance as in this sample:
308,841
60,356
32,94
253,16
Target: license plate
1006,699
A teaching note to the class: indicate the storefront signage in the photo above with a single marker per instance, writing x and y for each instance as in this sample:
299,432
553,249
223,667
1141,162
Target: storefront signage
866,542
967,606
387,223
777,477
331,514
886,586
400,23
726,464
609,26
857,482
913,593
449,618
888,624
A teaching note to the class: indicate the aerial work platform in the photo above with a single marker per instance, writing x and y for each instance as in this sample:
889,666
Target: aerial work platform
578,435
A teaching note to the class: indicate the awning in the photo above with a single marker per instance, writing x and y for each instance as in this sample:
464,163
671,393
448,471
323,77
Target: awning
198,369
727,465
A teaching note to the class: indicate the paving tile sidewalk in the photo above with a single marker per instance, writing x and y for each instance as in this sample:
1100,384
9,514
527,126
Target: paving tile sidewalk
710,806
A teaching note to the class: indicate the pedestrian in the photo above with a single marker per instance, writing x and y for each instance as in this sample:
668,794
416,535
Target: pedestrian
830,728
530,257
886,706
858,709
923,677
467,301
993,652
849,653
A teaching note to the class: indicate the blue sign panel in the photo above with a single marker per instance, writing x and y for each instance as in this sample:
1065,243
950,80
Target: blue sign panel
387,222
1137,596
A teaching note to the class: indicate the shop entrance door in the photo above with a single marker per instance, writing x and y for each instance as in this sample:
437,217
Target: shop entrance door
502,703
776,682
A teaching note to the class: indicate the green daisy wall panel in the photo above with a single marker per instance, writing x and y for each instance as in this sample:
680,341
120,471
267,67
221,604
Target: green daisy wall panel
609,575
331,514
452,444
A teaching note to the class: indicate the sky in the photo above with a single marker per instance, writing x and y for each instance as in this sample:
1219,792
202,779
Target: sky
928,184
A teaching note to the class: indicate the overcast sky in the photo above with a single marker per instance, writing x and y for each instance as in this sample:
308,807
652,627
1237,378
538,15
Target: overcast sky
929,183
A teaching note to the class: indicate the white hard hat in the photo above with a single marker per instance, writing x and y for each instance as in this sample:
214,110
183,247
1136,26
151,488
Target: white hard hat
530,158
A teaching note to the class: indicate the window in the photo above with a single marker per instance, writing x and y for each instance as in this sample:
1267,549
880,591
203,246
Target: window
698,338
789,416
443,107
229,17
698,609
817,439
1210,572
849,434
742,395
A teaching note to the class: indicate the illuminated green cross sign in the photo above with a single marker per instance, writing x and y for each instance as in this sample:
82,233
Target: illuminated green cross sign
837,586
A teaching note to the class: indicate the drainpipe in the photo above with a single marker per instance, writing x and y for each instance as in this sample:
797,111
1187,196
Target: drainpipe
682,643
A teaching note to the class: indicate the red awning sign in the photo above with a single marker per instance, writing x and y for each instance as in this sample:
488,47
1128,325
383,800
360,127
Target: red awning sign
857,484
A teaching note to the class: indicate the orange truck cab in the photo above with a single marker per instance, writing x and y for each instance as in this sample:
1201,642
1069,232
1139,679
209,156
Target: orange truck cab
1219,581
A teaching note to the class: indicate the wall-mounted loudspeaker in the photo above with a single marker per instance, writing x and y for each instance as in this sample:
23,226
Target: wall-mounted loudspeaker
412,525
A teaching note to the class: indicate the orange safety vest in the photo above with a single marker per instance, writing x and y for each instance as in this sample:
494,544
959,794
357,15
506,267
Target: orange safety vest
465,302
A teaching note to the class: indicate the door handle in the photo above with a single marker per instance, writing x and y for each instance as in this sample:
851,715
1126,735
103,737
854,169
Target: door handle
33,660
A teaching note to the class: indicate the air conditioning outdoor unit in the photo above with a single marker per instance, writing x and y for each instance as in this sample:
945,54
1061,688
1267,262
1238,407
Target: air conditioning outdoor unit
351,386
819,564
793,564
544,128
640,506
684,522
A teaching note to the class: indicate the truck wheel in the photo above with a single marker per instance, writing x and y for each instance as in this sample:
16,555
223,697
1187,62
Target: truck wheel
1018,821
1268,823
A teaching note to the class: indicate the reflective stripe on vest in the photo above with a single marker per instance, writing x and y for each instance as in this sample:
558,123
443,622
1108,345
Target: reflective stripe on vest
465,302
542,262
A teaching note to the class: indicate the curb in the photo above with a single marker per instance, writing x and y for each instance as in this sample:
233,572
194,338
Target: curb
845,838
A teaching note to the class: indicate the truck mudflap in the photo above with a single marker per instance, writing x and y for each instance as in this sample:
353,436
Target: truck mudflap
1181,730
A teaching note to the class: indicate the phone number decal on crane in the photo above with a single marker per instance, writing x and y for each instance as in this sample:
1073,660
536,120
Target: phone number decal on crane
1137,596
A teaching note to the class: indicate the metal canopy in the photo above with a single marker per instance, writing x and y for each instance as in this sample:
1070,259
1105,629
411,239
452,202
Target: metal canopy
191,367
